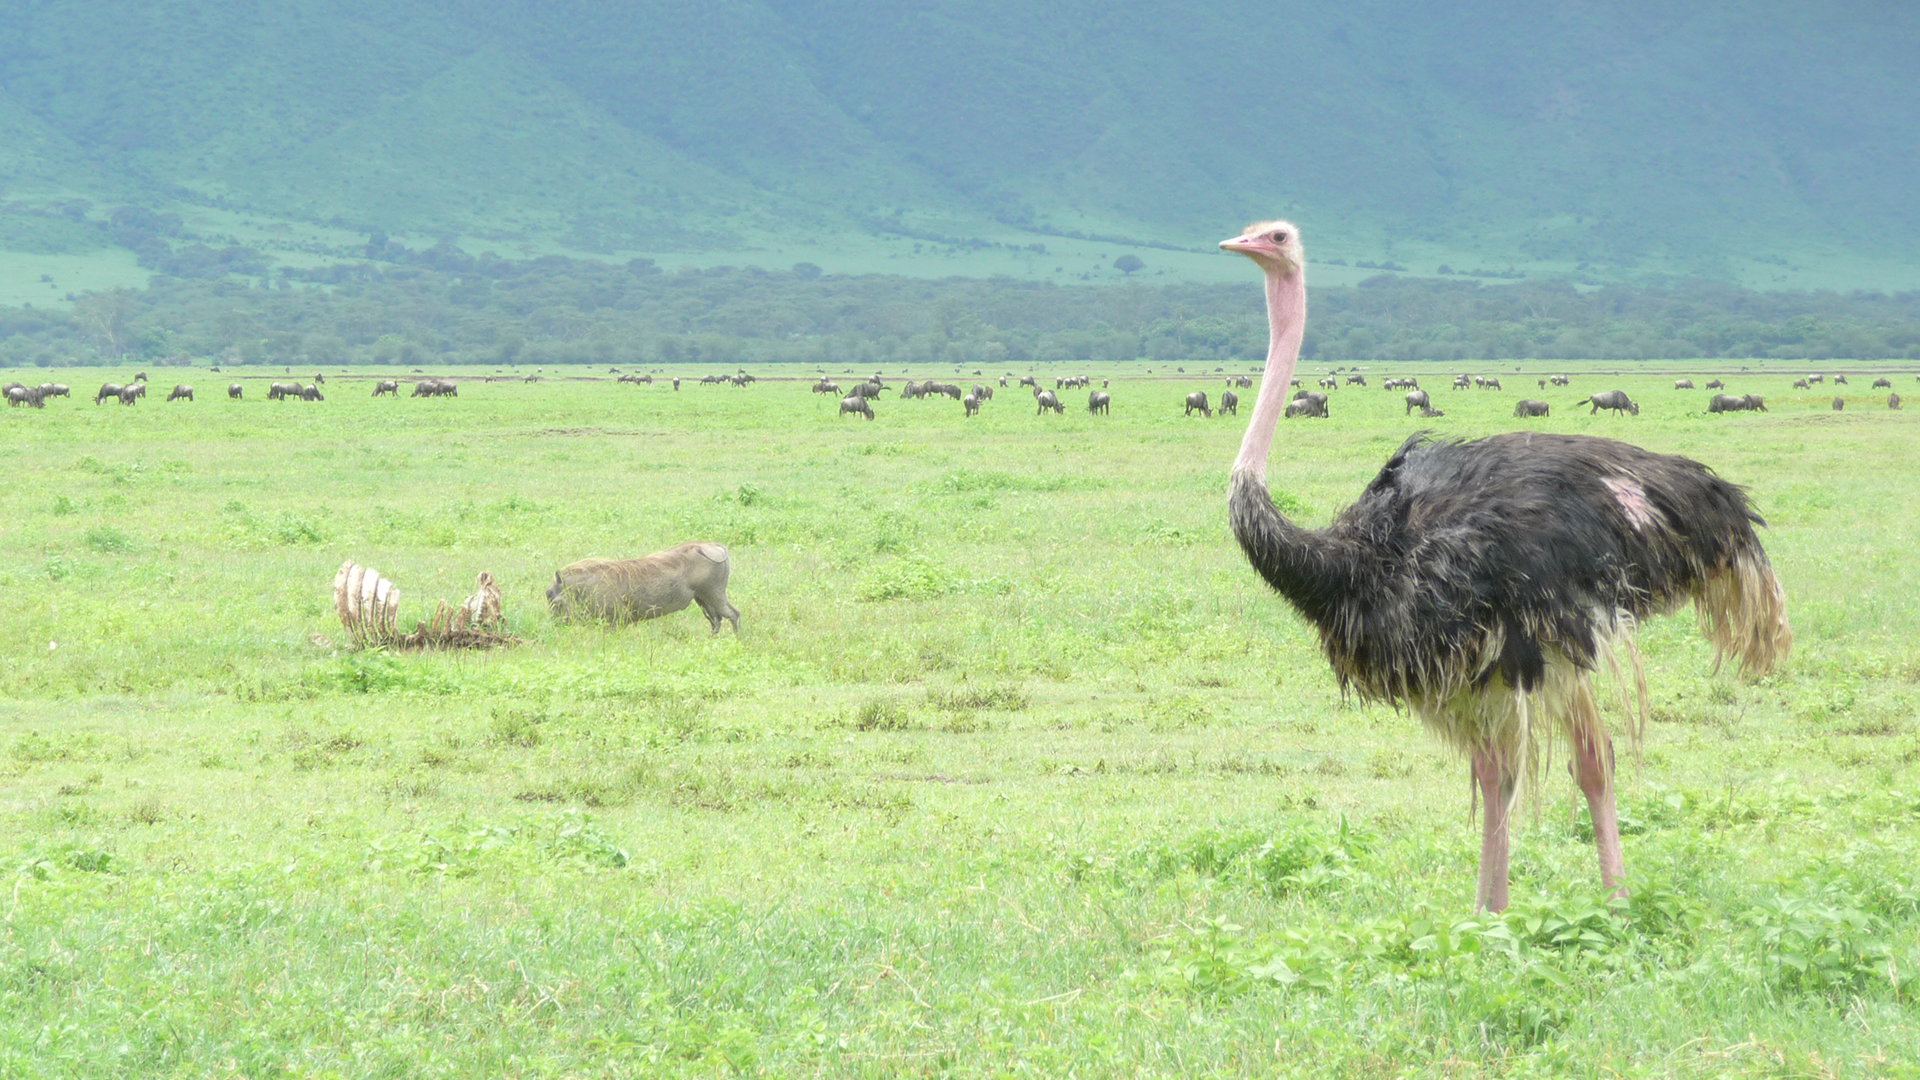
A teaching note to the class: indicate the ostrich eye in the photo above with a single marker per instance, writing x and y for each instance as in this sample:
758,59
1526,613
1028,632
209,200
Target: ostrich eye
1279,238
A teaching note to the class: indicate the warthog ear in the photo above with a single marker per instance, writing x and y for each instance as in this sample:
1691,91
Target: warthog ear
714,552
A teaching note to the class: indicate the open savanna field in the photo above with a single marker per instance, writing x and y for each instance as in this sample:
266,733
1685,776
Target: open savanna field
1014,768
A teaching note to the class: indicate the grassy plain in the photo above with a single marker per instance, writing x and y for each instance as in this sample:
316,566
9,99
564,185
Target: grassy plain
1014,769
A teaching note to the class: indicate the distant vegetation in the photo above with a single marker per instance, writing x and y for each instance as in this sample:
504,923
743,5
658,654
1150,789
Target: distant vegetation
440,305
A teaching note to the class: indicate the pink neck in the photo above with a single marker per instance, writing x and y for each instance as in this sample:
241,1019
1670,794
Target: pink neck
1286,323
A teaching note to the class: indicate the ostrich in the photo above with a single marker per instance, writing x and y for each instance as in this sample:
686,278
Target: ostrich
1481,583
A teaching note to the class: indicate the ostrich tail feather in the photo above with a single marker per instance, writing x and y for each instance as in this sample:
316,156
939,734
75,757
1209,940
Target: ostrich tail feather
1743,610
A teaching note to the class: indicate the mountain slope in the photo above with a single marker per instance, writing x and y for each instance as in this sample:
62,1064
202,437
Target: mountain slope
1636,136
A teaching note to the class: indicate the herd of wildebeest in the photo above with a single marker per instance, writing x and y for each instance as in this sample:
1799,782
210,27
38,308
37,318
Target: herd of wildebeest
858,401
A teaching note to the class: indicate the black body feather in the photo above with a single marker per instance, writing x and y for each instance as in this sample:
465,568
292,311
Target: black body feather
1463,561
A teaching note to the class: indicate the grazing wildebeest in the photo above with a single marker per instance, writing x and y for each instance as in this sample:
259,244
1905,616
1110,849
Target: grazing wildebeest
1229,403
1490,384
1893,401
1716,385
1461,382
676,382
234,391
984,393
971,404
107,390
1816,378
1099,401
1883,384
1839,380
1027,380
1312,402
1047,399
18,395
140,376
310,392
131,394
1530,407
1329,383
866,390
1543,384
181,390
1616,400
1003,382
1839,404
54,389
1755,403
949,390
856,403
1683,384
390,387
1559,380
1417,399
1801,384
1198,400
630,590
1352,380
1725,403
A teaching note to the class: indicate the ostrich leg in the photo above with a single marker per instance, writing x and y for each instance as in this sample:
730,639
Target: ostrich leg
1595,777
1497,777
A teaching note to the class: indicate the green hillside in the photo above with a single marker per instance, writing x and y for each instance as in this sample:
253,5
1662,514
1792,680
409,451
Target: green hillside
1770,145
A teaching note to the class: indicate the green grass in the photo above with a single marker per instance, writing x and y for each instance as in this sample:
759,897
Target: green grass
1014,769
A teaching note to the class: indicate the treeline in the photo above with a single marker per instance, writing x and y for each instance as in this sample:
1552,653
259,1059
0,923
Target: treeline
441,305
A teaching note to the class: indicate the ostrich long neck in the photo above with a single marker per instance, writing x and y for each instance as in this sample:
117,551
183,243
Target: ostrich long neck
1315,572
1286,323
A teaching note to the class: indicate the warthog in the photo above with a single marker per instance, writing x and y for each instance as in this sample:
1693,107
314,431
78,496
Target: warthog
1754,403
1839,404
1047,399
1430,412
1883,384
1417,399
1683,384
1198,400
1099,401
629,590
234,391
1530,407
1616,400
1716,385
390,387
181,390
107,390
1229,403
971,404
855,403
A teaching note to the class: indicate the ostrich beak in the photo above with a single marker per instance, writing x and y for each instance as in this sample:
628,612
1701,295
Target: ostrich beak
1240,244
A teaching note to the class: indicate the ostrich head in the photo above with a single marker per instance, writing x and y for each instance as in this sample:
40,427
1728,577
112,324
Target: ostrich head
1274,245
